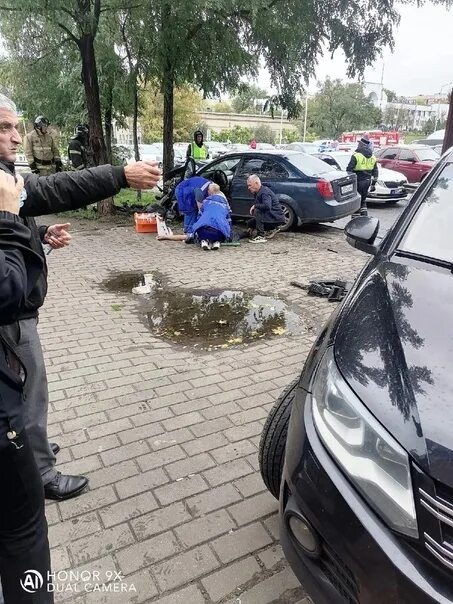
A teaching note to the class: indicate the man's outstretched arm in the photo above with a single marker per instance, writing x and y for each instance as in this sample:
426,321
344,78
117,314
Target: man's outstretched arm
73,190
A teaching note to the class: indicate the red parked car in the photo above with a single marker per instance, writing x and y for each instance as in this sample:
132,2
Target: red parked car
414,161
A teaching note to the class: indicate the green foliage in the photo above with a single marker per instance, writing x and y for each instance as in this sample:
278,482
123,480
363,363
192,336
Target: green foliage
222,107
339,107
264,134
187,102
391,95
237,134
249,99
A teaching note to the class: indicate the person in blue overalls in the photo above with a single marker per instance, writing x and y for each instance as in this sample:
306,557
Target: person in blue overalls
214,222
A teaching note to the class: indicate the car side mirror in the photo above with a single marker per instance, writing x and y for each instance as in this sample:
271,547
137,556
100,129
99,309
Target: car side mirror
361,233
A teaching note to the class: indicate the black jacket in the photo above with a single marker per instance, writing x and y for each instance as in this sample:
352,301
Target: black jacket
20,268
267,204
58,193
77,153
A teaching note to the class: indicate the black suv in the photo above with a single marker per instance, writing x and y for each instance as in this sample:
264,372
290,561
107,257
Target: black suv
366,485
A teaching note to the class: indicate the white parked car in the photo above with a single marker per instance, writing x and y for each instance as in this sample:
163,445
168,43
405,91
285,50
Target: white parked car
390,187
309,148
147,153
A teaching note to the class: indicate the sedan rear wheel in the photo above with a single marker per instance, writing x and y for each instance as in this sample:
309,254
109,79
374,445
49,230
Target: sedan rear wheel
290,217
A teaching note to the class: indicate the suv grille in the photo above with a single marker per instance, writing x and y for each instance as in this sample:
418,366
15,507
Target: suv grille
339,575
440,507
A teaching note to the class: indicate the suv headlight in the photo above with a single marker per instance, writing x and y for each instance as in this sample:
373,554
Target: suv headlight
370,457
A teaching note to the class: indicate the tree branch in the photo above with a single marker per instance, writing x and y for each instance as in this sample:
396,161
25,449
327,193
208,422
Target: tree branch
97,12
51,51
69,32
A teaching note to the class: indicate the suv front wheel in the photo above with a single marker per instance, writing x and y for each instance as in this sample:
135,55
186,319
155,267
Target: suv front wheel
273,440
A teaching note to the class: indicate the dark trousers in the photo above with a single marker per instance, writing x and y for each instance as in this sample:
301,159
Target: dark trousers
24,545
257,223
362,188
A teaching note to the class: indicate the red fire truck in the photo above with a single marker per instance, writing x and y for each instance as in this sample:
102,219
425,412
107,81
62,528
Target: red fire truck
379,138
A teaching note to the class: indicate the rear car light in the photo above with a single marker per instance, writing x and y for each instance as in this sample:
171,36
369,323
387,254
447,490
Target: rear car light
326,189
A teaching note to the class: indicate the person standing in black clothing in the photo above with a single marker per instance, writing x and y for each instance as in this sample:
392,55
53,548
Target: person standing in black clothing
267,212
24,544
78,148
364,165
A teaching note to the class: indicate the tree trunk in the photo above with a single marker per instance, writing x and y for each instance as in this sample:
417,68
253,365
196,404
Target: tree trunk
134,76
168,85
448,140
93,105
168,91
109,126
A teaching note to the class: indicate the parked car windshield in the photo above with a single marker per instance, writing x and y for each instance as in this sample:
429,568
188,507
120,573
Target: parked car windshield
308,165
427,154
429,233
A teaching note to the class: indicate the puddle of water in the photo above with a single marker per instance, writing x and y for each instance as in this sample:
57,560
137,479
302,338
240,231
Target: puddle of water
208,319
122,283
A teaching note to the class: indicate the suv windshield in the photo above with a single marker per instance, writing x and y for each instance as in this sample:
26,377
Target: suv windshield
308,165
429,233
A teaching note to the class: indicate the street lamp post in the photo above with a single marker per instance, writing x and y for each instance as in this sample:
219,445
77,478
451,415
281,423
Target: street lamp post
305,117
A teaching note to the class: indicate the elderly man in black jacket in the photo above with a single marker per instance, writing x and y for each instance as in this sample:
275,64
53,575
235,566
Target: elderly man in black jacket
23,529
49,195
267,211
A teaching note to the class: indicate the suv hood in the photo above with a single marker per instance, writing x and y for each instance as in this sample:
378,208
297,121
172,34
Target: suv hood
394,347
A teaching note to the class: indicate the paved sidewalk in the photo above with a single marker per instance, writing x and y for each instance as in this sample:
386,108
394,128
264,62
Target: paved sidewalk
168,435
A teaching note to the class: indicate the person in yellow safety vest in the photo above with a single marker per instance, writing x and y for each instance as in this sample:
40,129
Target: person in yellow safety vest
41,149
197,149
364,165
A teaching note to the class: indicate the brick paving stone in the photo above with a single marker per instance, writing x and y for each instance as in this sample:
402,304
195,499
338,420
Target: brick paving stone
185,567
160,520
253,508
144,481
127,509
271,590
241,542
101,543
147,552
188,595
191,465
181,489
204,443
213,499
168,439
91,499
227,472
112,474
160,458
209,427
250,485
233,451
225,581
205,528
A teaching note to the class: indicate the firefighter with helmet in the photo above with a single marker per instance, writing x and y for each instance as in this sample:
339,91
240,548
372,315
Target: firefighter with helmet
78,148
41,149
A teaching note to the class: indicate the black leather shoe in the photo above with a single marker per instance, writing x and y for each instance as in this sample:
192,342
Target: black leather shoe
55,448
64,486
